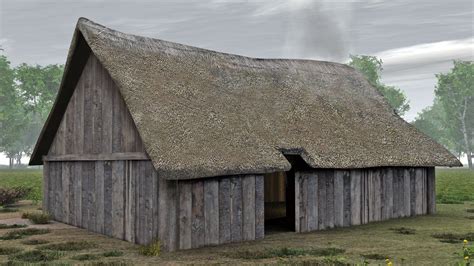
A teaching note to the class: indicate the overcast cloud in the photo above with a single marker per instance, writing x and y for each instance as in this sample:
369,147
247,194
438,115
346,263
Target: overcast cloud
415,39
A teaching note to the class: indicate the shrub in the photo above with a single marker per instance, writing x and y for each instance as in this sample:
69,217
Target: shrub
22,233
113,253
152,249
10,226
9,250
35,242
13,194
37,256
36,217
70,246
85,257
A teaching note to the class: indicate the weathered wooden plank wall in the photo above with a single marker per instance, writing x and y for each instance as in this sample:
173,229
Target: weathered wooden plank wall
127,200
336,198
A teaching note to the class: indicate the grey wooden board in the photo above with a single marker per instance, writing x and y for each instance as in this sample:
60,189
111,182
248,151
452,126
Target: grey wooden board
431,190
298,202
117,199
211,212
185,214
355,197
312,190
224,210
236,212
248,207
108,198
322,203
330,198
259,208
338,198
303,203
197,230
347,198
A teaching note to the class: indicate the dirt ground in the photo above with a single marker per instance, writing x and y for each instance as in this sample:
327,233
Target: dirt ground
355,242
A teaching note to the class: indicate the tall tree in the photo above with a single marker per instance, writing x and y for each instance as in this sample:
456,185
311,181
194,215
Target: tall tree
371,68
455,91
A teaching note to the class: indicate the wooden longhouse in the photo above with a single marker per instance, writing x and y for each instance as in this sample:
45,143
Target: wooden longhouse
150,139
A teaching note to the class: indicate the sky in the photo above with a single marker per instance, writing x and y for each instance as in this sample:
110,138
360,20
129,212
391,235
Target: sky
414,39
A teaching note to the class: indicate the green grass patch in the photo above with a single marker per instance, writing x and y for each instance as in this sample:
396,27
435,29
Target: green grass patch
470,210
7,210
83,257
37,256
453,238
374,256
36,217
404,230
285,253
9,250
113,253
22,233
70,246
34,242
454,186
152,249
10,226
32,178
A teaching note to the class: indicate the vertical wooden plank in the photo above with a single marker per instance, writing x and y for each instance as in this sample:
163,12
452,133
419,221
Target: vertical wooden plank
303,203
173,198
129,197
85,194
117,199
236,209
338,198
298,203
371,193
185,214
406,192
92,202
330,198
248,207
107,111
431,190
224,210
388,193
46,178
69,128
78,193
66,177
79,116
355,197
347,198
419,191
211,212
378,190
156,213
197,230
259,208
412,172
97,106
51,189
322,199
149,169
364,197
108,198
312,209
89,69
99,186
117,121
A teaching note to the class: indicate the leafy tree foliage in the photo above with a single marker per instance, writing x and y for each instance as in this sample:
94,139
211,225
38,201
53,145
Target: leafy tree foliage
26,96
450,120
371,68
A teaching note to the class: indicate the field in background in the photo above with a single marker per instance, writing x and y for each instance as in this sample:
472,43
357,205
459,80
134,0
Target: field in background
452,185
407,241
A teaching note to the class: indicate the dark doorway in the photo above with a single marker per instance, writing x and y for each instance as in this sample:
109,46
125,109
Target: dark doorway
279,193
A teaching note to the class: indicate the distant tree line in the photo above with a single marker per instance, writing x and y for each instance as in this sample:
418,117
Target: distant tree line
450,120
27,93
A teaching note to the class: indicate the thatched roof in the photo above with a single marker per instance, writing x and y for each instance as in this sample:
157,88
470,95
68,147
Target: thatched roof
202,113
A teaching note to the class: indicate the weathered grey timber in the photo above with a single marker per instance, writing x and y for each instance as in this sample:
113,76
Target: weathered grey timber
367,197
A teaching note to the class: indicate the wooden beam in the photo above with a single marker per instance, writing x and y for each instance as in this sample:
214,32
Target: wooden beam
117,156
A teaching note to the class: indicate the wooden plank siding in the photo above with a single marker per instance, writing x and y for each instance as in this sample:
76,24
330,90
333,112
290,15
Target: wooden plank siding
335,198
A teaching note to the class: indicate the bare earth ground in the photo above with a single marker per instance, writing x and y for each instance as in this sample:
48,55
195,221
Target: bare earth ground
377,238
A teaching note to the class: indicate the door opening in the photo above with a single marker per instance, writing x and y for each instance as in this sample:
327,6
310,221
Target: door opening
279,197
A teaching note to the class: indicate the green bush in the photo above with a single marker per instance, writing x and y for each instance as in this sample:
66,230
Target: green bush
37,217
9,250
13,195
32,178
152,249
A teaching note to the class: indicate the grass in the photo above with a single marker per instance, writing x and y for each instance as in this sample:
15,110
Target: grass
70,246
24,177
375,256
404,230
453,238
454,185
7,210
36,217
33,242
10,226
113,253
9,250
37,256
152,249
285,253
22,233
83,257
